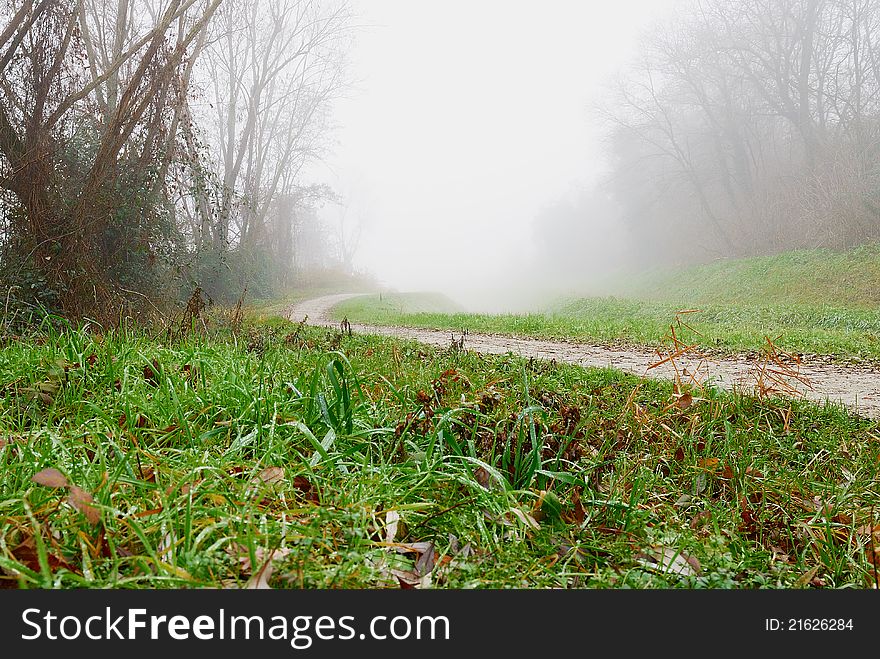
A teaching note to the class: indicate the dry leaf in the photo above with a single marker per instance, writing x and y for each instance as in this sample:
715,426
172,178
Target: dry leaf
262,555
701,519
806,577
82,501
309,491
426,561
271,475
684,401
525,518
413,547
50,478
260,580
26,554
670,561
407,579
483,477
579,514
709,464
392,518
151,373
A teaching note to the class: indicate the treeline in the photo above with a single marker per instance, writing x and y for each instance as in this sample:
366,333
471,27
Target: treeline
750,127
149,147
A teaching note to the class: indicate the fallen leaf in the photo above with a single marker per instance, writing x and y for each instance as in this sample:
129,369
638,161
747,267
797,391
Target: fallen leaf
241,553
684,401
709,464
309,491
483,477
579,513
426,561
271,475
525,518
701,519
260,580
50,478
806,577
151,373
392,518
670,561
413,547
407,579
82,501
26,554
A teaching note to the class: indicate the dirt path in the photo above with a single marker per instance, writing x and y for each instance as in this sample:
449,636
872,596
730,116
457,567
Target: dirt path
857,388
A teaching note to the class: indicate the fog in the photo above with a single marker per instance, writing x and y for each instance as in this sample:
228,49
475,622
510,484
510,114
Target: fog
502,153
467,127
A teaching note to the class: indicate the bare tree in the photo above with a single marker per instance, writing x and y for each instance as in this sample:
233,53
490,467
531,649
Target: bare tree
757,123
273,69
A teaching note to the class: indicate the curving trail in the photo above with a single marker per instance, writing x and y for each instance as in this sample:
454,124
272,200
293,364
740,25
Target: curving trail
858,388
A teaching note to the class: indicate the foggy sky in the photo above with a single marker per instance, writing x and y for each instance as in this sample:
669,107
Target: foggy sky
467,118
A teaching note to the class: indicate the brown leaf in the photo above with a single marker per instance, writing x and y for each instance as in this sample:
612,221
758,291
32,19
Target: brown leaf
748,517
50,478
407,579
483,477
309,491
392,519
241,553
670,561
701,519
709,464
151,373
271,475
579,513
82,501
413,547
148,474
684,401
26,554
426,561
525,518
260,580
806,577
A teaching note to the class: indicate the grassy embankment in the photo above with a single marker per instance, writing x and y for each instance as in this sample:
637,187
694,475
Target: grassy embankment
191,462
817,302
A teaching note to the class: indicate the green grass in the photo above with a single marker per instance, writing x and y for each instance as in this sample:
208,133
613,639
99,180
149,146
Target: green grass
846,334
817,302
849,279
206,454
